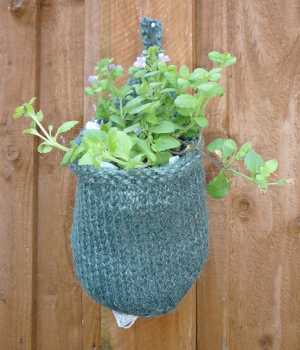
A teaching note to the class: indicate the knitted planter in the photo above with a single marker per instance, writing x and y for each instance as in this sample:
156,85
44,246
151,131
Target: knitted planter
140,237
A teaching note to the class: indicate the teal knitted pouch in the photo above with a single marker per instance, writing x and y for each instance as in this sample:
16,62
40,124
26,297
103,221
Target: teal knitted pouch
140,237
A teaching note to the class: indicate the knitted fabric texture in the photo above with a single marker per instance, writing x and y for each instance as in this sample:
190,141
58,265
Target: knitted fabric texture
140,237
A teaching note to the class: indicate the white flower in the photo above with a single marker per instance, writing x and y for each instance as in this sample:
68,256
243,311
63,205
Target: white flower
163,58
173,159
92,79
92,125
107,165
140,62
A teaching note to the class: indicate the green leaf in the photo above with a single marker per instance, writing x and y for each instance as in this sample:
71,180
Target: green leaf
219,186
199,74
201,121
162,158
39,116
117,119
86,159
184,72
120,144
224,148
165,127
183,83
253,162
271,165
67,157
134,102
164,143
215,74
66,126
223,59
89,91
229,148
143,108
282,182
44,148
186,101
211,89
245,148
31,131
145,148
19,112
216,145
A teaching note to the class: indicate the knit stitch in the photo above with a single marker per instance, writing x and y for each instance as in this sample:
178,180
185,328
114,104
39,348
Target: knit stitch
140,237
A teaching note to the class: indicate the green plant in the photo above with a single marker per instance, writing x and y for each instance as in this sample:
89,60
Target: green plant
158,113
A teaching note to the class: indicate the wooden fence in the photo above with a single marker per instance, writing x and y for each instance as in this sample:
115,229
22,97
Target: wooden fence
248,297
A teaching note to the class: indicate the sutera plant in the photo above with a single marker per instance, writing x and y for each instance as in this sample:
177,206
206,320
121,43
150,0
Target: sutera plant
158,113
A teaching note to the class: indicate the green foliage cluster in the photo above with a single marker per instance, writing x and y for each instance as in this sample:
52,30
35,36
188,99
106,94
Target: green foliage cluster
158,113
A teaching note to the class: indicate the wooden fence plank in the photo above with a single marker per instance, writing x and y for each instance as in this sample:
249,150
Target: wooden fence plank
212,298
91,316
112,29
18,49
59,318
247,298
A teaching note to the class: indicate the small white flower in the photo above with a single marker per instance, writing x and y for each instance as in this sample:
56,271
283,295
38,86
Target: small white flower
92,79
92,125
173,160
163,58
153,25
140,62
107,165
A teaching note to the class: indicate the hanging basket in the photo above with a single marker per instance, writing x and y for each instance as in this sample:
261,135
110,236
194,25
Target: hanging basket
140,237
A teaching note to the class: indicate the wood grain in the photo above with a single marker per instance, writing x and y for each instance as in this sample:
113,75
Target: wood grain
246,298
18,49
59,297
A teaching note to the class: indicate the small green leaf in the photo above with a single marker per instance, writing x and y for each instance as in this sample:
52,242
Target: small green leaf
164,143
216,145
162,158
201,121
183,83
143,108
282,182
67,158
253,162
211,89
145,148
165,127
219,186
31,131
19,112
223,59
245,148
44,148
270,166
229,148
186,101
184,72
199,74
89,91
86,159
66,126
120,144
39,116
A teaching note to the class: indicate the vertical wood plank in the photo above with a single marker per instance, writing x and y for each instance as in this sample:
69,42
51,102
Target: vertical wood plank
116,25
94,33
18,49
247,298
59,317
212,295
